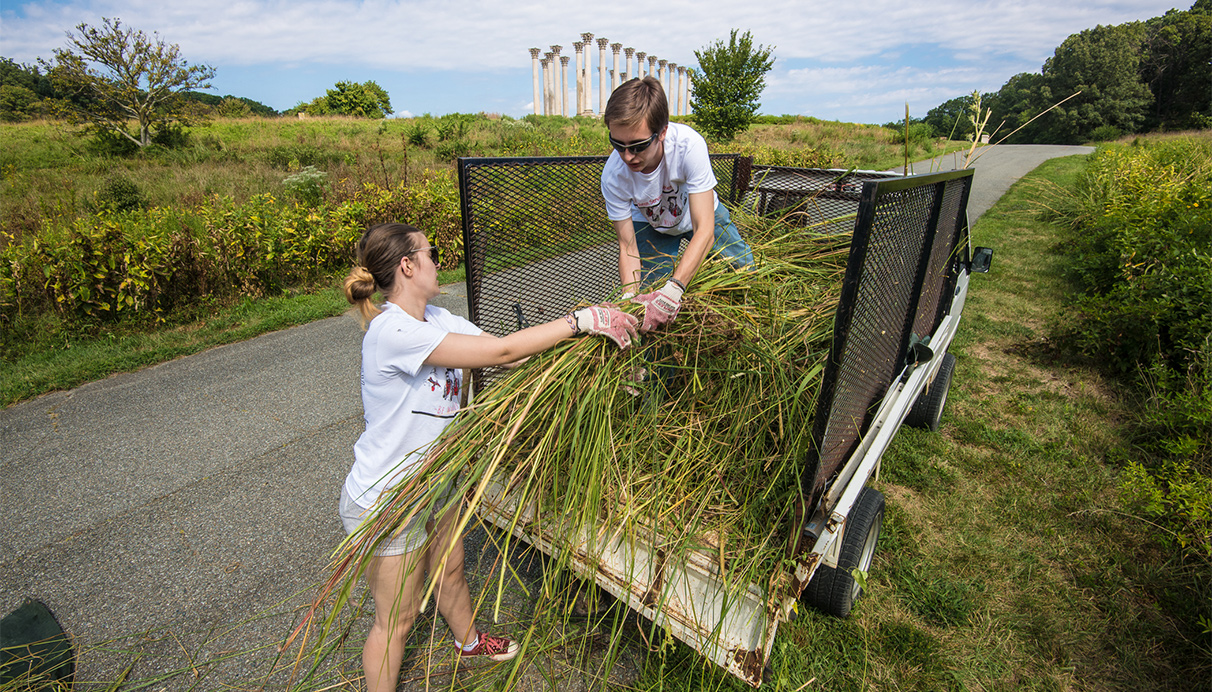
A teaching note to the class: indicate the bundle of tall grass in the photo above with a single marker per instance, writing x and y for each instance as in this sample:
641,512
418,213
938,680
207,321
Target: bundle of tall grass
692,441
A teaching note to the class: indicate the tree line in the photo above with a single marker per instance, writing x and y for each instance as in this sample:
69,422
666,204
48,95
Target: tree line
111,76
1128,78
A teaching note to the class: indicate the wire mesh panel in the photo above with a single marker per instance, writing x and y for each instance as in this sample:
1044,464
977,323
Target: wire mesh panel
909,236
826,199
536,239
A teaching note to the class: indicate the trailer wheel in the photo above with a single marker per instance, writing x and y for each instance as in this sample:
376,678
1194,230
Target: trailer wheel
833,590
927,411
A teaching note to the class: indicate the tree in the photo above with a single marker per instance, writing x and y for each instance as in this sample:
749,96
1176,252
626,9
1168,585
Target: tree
116,74
726,87
1174,64
1014,105
22,89
366,100
1103,64
950,118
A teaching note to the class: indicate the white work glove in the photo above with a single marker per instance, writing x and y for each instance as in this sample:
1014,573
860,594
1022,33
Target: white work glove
604,320
660,307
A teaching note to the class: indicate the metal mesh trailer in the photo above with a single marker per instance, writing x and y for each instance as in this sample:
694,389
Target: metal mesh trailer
537,243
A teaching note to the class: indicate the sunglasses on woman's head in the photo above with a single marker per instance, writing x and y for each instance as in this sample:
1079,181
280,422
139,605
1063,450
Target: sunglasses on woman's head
634,147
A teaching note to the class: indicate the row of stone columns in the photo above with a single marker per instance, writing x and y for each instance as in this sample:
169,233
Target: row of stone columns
551,93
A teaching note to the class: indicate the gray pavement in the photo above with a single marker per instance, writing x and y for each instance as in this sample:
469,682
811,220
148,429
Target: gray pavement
175,519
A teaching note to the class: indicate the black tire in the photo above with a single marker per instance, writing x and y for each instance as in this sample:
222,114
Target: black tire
833,590
927,411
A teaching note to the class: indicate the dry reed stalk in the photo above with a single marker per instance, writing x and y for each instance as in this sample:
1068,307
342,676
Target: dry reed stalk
704,453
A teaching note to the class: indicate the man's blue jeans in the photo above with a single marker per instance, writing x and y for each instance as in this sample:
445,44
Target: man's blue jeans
659,251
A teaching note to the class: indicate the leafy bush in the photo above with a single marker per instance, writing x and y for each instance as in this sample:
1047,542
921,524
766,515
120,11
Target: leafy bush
1142,254
307,186
803,157
294,157
1105,133
149,263
919,133
417,133
118,194
1141,258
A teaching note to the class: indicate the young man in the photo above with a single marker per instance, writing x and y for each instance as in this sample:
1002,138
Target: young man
659,188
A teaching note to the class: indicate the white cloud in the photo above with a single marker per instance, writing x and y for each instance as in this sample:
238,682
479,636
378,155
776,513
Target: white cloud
858,53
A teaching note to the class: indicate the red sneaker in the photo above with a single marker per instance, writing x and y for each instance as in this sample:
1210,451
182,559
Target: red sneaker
492,648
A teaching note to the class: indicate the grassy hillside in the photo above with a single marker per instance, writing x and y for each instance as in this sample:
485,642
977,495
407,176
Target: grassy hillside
50,172
114,259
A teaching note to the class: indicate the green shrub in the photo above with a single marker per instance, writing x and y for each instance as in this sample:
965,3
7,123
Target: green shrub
118,194
821,156
452,149
171,136
307,186
417,133
295,157
103,142
1141,254
150,263
919,133
1105,133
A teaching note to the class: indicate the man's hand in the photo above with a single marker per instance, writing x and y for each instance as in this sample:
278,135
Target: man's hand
660,307
604,320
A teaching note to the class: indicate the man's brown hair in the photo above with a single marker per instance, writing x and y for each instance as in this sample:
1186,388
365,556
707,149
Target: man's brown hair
638,101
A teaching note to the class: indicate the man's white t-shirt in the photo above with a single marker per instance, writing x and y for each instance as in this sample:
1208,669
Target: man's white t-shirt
406,403
661,198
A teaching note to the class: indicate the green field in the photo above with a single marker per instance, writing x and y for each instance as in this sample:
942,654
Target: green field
1010,559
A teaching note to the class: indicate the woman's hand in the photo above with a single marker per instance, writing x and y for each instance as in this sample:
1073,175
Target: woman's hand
608,321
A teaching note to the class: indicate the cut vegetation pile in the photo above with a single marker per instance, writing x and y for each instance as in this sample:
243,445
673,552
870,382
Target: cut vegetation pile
702,452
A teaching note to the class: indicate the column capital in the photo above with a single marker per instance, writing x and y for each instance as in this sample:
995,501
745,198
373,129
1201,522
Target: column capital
578,45
534,52
639,54
628,51
564,60
603,42
662,63
556,49
586,37
547,56
616,47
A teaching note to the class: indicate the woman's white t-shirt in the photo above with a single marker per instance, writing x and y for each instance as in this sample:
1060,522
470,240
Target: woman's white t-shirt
406,403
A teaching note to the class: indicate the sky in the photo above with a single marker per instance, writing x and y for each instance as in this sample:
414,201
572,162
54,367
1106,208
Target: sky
850,61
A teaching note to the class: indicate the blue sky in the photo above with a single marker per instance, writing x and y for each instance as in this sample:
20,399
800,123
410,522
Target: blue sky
852,61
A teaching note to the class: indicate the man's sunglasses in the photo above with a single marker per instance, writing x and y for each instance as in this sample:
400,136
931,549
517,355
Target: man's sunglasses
434,254
634,147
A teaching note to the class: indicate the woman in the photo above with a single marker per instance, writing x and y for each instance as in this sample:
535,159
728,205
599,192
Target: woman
412,360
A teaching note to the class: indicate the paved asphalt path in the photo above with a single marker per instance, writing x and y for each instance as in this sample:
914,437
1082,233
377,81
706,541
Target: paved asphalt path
183,513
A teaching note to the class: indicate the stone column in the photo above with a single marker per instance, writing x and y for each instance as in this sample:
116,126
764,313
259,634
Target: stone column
603,79
663,77
580,78
682,89
556,101
548,86
538,92
615,75
639,64
586,108
672,91
564,105
627,73
652,66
